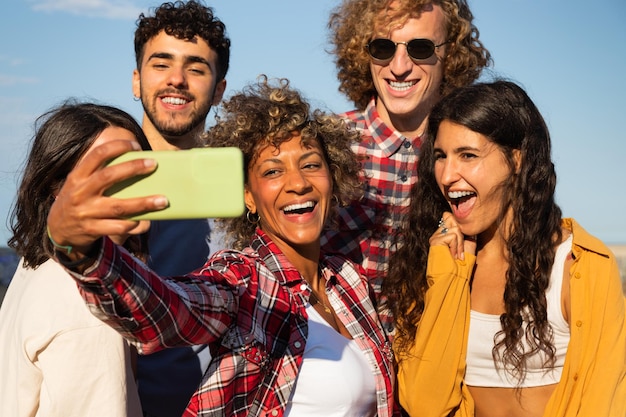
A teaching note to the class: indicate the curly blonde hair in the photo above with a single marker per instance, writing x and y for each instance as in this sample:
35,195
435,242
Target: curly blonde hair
355,22
268,114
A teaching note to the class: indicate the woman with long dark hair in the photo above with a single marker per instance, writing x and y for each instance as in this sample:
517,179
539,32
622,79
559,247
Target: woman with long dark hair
57,359
503,307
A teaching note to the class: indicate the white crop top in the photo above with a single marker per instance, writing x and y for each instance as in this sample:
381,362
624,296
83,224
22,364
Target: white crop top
481,370
336,379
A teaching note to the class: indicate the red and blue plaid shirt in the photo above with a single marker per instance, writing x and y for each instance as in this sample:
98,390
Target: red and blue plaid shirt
367,227
249,307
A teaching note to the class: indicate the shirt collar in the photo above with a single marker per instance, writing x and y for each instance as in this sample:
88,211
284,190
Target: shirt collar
583,239
388,139
273,258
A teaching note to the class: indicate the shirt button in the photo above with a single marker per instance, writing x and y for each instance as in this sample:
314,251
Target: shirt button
297,345
303,287
403,178
407,144
577,275
274,412
579,323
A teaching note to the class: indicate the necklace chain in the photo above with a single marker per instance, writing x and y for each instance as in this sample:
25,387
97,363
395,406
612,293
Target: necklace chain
316,300
313,298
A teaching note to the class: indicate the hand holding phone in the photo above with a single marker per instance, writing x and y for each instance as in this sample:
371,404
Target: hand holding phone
198,183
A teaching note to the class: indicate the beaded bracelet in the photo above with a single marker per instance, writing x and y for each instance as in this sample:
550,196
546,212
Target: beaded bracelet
67,249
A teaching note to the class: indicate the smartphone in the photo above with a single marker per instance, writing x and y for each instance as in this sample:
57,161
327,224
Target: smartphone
199,183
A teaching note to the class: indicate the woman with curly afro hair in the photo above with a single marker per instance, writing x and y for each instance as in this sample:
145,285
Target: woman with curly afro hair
292,329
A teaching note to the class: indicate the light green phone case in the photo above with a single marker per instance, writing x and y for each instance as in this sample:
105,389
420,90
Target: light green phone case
199,183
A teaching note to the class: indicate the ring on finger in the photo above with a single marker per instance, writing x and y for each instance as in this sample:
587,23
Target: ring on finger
444,230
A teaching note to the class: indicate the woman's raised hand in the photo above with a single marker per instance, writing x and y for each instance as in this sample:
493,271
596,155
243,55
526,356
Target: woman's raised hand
449,234
81,213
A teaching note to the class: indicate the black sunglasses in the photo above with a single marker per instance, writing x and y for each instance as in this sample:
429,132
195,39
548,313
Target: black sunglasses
418,49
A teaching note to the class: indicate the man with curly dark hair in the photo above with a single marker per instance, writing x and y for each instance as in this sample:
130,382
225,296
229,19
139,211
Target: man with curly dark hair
182,55
395,60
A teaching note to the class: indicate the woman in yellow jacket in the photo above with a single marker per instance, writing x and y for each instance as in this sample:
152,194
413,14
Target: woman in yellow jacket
503,308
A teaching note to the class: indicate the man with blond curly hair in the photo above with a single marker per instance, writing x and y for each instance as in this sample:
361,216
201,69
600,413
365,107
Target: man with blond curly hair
395,60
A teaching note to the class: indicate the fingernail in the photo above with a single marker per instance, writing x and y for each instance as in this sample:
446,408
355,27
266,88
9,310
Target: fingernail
135,146
160,202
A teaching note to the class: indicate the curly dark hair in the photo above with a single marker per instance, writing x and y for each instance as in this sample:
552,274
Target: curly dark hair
62,136
504,113
185,20
268,114
355,22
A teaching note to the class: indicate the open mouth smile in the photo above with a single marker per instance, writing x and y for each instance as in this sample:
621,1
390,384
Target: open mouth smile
176,101
299,208
401,85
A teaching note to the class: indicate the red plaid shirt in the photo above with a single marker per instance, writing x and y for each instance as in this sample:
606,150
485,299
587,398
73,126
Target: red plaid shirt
249,307
368,226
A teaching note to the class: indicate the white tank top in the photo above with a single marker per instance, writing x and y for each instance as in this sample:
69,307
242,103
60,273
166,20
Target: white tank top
336,379
481,370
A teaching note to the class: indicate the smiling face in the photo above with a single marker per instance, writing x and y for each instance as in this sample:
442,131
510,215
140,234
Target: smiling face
290,188
471,172
408,88
177,85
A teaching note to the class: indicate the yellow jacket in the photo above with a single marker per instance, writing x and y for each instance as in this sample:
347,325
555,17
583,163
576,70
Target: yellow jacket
593,383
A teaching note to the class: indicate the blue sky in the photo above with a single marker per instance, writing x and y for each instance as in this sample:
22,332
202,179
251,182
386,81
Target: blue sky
570,55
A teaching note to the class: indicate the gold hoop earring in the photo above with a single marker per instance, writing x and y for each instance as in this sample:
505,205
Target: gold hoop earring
251,219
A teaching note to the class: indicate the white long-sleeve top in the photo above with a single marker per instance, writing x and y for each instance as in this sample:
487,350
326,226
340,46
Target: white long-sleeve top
56,358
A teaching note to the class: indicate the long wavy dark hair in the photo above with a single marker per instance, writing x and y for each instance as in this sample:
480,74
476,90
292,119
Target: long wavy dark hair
62,136
503,112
